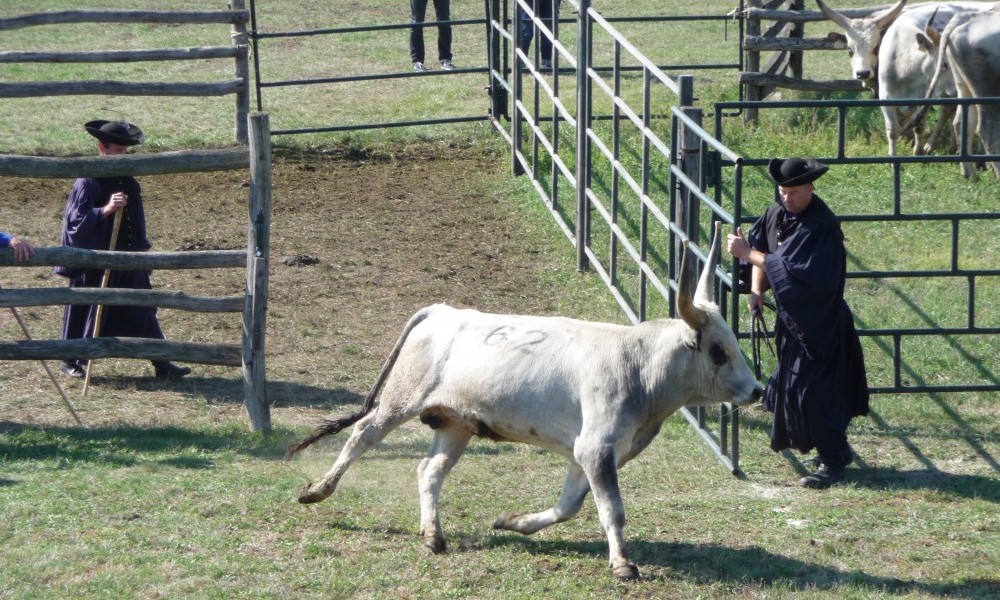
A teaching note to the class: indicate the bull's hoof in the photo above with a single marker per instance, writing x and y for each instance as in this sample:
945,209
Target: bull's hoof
626,572
308,497
435,544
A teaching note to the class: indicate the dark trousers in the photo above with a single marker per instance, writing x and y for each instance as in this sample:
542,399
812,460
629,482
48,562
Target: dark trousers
543,9
442,12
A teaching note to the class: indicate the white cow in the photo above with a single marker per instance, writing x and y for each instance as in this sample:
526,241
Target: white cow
887,57
594,393
969,55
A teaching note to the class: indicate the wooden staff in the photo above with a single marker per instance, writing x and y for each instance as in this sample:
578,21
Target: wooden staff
104,284
45,365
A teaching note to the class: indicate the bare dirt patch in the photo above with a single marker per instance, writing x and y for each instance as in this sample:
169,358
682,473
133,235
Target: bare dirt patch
358,244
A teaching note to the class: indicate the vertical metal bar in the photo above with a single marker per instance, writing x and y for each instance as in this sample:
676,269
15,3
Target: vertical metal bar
498,96
616,155
897,360
672,241
897,197
644,210
841,130
553,168
583,119
735,297
516,126
256,53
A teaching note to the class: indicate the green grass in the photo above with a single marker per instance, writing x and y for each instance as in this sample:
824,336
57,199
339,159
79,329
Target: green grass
206,510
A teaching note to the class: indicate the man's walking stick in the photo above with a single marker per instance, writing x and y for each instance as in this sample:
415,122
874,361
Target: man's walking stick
104,284
69,404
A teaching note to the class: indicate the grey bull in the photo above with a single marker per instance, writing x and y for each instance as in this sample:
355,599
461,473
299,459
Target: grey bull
594,393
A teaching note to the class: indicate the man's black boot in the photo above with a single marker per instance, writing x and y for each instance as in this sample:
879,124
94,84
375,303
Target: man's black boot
823,478
168,370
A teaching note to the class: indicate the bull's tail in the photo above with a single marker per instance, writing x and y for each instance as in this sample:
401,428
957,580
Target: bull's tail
334,426
945,39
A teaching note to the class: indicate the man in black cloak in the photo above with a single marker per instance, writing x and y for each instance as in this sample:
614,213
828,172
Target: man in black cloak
796,250
88,223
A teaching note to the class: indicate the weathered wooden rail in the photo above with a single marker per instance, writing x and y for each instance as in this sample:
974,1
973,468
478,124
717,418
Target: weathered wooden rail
783,37
237,17
255,259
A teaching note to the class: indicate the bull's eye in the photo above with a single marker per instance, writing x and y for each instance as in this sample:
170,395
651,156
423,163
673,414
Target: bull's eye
718,355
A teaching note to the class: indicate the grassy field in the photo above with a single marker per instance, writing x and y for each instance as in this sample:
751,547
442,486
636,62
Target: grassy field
164,494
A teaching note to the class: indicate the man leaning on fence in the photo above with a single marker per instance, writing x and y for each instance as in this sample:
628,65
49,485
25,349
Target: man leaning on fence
88,223
22,249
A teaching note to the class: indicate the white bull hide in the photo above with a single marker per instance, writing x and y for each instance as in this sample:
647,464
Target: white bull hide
888,57
594,393
969,56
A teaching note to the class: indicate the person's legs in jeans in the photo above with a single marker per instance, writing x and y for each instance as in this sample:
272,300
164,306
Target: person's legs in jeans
442,12
418,9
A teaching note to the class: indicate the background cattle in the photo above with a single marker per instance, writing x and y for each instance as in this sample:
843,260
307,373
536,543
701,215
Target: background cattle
969,55
886,55
594,393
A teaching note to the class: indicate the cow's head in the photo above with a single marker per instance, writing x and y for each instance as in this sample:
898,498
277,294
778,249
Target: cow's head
863,37
716,345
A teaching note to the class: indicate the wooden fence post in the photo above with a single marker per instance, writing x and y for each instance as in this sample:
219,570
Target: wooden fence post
258,253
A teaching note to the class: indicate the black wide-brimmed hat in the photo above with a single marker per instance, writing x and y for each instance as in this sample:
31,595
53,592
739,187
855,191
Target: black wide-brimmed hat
122,133
795,171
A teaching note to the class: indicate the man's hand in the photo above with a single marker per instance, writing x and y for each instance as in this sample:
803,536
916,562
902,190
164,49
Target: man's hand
22,249
117,202
738,245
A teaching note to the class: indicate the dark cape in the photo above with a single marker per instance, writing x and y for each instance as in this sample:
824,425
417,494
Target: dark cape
83,227
820,382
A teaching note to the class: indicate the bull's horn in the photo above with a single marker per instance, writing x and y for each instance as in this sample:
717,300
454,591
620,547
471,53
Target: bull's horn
833,15
707,280
885,19
692,315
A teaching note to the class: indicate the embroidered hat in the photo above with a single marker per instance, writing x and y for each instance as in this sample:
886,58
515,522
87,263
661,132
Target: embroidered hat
122,133
795,171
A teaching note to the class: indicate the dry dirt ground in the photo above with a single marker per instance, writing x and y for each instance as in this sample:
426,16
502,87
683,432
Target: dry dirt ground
358,244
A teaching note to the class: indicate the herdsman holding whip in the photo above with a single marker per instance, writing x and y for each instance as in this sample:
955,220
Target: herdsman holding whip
105,213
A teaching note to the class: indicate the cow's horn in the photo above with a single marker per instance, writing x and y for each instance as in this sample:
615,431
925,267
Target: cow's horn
884,20
693,316
833,15
707,280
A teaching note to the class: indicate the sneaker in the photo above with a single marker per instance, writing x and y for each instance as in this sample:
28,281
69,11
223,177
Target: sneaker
823,478
72,370
447,65
546,66
419,66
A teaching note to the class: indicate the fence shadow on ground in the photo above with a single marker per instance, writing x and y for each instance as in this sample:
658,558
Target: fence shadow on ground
729,566
226,390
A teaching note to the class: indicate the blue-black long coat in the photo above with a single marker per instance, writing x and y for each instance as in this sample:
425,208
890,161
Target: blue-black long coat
83,227
820,381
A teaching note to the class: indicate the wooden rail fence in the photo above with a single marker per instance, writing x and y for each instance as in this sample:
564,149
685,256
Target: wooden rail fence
253,303
237,17
783,38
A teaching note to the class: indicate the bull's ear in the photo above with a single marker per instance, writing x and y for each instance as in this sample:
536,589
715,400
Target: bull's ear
692,315
707,280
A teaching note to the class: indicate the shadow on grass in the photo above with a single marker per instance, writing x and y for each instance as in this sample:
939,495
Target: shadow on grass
224,390
749,566
177,447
